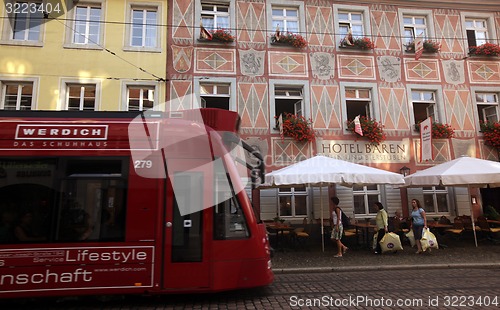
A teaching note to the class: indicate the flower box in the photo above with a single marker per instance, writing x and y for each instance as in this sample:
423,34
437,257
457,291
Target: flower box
219,36
297,127
357,43
491,133
290,39
487,49
372,130
439,131
429,47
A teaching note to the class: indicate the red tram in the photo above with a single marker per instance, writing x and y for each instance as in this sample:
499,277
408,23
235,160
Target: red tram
126,203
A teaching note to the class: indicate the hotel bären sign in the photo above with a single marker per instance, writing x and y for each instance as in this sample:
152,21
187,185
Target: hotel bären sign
365,152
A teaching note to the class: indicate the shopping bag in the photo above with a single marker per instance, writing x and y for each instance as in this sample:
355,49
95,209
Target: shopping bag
390,243
411,237
428,240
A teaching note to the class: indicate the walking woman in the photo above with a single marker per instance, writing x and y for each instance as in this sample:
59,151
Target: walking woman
381,221
337,228
419,222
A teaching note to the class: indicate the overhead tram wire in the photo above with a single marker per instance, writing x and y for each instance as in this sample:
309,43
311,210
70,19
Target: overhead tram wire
157,78
160,79
303,33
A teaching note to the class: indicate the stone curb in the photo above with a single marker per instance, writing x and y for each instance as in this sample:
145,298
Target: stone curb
393,267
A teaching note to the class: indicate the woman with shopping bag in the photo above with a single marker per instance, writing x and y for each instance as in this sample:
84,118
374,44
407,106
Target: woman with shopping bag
418,223
381,222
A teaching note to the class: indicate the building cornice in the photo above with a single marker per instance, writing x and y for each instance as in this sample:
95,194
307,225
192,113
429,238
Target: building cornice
473,5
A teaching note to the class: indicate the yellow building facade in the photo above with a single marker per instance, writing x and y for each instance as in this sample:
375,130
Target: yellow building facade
96,55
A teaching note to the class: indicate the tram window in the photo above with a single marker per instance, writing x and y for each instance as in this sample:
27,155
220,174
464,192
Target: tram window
92,203
229,219
91,209
187,230
69,200
26,199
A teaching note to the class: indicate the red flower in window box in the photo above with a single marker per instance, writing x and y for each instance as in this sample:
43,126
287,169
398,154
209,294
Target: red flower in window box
429,46
487,49
491,133
359,43
439,131
293,39
372,130
297,127
222,35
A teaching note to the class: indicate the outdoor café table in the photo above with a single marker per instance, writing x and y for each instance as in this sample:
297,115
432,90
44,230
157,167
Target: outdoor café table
438,225
280,234
435,227
494,222
365,226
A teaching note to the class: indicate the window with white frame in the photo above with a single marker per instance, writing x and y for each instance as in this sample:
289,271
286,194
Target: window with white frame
87,24
358,101
477,31
215,15
424,105
293,202
435,199
351,19
81,97
17,96
288,99
140,97
286,19
27,23
414,26
215,95
350,22
144,27
487,106
364,197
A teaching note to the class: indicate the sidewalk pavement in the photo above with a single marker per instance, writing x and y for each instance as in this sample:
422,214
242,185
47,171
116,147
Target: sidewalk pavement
457,254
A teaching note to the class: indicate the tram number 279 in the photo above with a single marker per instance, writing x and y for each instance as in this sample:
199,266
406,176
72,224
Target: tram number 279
143,164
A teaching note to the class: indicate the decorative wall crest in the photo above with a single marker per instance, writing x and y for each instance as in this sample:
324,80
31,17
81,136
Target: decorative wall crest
323,65
389,68
252,62
182,58
454,72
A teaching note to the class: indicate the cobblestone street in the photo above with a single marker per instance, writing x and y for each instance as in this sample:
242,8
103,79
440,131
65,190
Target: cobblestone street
419,288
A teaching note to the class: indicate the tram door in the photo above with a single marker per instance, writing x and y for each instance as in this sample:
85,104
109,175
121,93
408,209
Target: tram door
187,237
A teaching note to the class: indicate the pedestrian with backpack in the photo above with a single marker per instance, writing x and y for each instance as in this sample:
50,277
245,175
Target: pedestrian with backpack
337,227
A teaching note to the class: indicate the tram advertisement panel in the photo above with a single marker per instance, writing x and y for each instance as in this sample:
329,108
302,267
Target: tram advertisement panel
73,268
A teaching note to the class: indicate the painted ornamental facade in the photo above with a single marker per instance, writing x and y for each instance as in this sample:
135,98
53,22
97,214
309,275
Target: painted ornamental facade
333,79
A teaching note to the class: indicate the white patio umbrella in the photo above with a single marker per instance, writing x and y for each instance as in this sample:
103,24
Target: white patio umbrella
321,170
460,172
